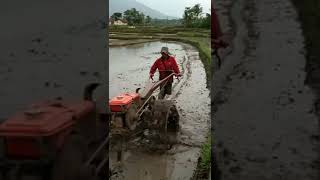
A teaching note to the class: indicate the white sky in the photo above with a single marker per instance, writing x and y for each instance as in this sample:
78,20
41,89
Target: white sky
176,7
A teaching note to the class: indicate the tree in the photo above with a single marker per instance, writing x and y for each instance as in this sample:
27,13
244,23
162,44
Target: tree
206,21
134,17
129,15
165,22
196,10
148,20
192,17
116,16
140,19
187,17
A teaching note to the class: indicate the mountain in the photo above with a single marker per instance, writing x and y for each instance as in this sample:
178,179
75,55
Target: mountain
123,5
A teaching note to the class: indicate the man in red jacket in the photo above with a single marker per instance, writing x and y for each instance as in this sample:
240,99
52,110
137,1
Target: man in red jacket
218,39
166,65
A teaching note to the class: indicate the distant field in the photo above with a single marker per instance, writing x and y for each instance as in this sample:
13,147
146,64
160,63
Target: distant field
155,29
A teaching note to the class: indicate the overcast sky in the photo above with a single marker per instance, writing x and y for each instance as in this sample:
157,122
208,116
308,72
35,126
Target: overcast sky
175,7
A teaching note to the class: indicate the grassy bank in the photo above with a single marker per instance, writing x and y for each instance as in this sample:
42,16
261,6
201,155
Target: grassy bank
204,162
199,38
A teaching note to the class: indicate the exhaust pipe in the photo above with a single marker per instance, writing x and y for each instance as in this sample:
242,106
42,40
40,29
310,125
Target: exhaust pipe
88,91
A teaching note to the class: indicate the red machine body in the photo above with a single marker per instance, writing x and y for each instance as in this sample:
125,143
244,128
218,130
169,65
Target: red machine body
122,102
42,129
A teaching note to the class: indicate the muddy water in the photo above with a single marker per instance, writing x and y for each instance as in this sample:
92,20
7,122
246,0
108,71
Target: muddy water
38,66
129,69
271,132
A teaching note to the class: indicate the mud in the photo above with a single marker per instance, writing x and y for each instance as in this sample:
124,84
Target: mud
43,57
192,100
49,49
271,132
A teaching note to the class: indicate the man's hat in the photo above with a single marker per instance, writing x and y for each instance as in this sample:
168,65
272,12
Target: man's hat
165,50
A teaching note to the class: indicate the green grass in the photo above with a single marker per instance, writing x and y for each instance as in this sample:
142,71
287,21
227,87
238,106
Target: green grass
205,162
193,34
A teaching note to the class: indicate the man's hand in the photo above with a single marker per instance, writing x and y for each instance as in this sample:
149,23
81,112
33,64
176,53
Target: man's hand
151,76
178,75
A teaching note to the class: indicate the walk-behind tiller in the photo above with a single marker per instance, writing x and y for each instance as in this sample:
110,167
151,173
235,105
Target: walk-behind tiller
133,112
56,140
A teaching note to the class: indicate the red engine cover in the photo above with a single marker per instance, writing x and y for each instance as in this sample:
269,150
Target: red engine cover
50,120
122,102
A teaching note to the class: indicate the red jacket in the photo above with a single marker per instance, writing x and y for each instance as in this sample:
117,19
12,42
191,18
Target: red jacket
216,28
216,33
165,67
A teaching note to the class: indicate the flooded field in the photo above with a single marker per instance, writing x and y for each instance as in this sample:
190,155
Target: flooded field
129,69
49,65
273,130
